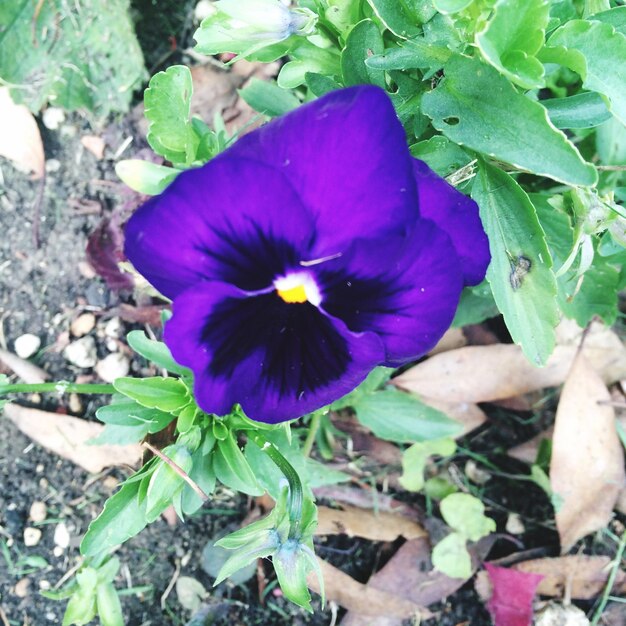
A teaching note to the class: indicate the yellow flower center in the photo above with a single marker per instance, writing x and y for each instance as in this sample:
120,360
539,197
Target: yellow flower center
295,295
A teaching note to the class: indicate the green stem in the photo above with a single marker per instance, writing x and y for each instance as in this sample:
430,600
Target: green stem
314,427
295,484
611,581
61,386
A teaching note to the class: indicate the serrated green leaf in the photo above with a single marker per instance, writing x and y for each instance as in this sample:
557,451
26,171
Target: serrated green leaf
156,352
466,515
477,107
232,469
398,416
415,457
167,108
268,98
145,177
157,392
363,41
597,52
520,275
125,412
450,556
122,518
512,37
74,59
402,18
583,110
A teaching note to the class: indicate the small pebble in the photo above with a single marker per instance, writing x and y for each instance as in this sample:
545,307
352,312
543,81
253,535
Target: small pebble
514,524
26,345
115,365
32,536
22,587
559,615
61,536
52,166
475,474
38,511
53,117
114,328
58,551
51,617
82,352
112,345
39,468
83,324
75,404
44,585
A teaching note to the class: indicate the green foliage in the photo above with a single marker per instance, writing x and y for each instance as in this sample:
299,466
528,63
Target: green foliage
145,177
414,461
363,41
73,56
268,98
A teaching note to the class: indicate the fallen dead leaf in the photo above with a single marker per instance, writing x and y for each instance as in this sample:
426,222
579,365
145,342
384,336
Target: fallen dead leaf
23,369
409,574
67,436
357,522
452,339
470,415
20,140
94,144
488,373
371,602
581,577
587,466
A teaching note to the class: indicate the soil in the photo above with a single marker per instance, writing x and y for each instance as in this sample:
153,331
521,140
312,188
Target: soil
42,290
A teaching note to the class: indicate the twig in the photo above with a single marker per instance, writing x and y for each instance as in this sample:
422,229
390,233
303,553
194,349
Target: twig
170,585
611,168
37,210
179,470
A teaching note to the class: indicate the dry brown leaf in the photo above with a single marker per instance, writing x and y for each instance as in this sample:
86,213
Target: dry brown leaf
452,339
583,577
410,575
20,140
587,466
470,415
357,522
67,436
353,595
94,144
487,373
25,370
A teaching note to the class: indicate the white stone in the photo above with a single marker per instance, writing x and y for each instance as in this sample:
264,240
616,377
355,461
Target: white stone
113,366
38,511
114,328
559,615
82,352
26,345
83,324
61,536
53,165
32,536
514,524
53,117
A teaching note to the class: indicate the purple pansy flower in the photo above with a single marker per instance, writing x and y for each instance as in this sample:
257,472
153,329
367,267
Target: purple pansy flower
311,251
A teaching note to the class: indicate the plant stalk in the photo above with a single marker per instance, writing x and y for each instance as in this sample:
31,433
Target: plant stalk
61,386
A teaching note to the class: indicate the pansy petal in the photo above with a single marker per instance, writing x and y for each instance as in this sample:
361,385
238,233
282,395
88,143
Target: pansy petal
347,158
233,220
458,216
278,360
406,291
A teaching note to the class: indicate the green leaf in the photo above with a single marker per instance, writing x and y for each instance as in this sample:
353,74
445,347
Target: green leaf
232,468
203,475
124,412
616,17
520,275
414,461
268,98
476,306
342,14
109,607
156,352
307,59
320,85
399,17
374,381
611,142
477,107
166,394
363,41
108,571
145,177
583,110
165,482
292,562
81,608
122,518
441,155
466,515
451,6
512,37
167,108
450,556
597,52
50,52
398,416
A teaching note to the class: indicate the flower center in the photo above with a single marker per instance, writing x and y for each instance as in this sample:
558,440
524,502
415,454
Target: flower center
298,288
294,295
